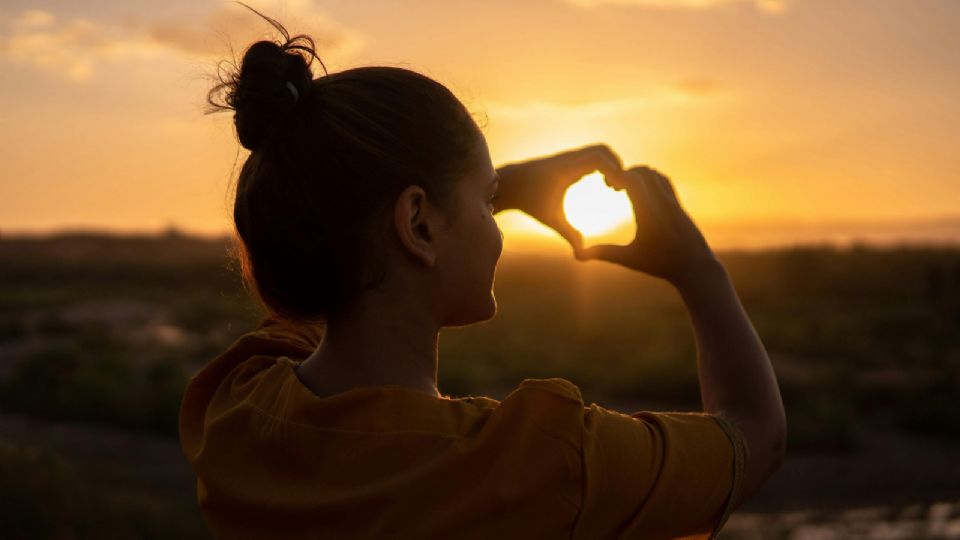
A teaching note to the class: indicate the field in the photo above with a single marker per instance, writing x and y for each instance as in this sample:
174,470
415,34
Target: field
99,334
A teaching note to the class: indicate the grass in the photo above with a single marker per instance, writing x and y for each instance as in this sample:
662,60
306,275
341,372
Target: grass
856,336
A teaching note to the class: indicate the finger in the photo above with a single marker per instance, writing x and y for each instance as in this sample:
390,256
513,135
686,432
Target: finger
641,169
598,157
599,151
667,184
608,162
665,191
660,184
662,181
641,186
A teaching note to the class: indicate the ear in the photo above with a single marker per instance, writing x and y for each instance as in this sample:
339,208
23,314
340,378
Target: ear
415,220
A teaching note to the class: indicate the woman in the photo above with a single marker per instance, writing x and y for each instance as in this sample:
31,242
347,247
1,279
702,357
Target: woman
365,222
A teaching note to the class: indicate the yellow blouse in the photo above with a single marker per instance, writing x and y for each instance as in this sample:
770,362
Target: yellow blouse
273,460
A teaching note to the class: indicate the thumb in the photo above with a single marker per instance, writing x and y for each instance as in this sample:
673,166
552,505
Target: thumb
571,235
603,252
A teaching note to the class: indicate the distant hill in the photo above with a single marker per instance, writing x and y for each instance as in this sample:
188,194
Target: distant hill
737,235
167,247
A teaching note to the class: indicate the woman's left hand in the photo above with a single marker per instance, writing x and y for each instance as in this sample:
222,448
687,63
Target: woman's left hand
536,187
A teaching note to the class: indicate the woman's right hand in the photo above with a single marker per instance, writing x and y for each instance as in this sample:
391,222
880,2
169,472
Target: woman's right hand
667,244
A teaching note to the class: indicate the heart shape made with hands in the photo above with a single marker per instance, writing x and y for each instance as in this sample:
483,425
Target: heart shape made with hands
602,214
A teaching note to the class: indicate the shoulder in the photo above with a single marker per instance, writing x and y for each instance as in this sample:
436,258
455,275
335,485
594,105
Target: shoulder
553,398
262,345
543,409
548,388
301,337
250,355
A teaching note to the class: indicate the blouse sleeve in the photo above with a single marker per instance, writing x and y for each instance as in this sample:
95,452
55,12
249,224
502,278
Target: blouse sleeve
658,475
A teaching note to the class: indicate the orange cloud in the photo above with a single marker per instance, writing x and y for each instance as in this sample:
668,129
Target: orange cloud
698,86
768,6
75,48
71,48
232,24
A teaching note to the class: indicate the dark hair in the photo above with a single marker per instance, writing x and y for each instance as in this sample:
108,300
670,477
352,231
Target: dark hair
328,157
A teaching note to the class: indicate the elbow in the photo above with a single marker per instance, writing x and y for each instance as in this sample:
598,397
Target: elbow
779,451
774,440
776,443
769,446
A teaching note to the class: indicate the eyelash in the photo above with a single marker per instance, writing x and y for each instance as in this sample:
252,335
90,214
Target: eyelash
490,202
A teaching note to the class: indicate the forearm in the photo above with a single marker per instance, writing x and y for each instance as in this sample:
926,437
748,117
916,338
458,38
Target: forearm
736,377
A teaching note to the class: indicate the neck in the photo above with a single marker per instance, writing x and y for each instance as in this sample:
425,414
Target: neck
376,344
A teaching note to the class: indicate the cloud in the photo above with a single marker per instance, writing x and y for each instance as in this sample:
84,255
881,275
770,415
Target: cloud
684,92
77,47
33,18
698,87
233,25
767,6
72,48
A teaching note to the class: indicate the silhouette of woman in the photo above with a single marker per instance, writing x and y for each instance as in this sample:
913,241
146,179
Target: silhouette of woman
364,222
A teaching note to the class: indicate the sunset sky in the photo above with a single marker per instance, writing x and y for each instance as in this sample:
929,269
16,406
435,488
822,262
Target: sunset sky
763,113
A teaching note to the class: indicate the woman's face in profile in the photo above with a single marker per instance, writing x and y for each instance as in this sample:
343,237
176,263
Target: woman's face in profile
472,246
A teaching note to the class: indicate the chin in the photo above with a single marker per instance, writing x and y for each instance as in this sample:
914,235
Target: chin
491,308
478,312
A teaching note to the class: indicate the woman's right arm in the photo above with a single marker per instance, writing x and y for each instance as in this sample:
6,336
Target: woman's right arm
737,380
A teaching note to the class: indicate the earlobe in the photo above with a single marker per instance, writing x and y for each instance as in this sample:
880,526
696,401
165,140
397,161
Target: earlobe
411,213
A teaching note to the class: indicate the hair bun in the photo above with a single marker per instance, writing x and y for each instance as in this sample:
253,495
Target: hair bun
261,95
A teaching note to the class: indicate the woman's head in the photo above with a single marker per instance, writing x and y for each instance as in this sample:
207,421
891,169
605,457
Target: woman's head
335,163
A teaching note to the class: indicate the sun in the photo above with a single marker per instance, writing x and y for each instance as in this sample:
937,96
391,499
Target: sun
594,208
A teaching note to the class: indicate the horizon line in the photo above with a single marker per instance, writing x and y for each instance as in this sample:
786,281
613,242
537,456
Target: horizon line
767,238
174,228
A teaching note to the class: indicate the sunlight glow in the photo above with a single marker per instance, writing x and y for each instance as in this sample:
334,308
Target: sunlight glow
594,208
